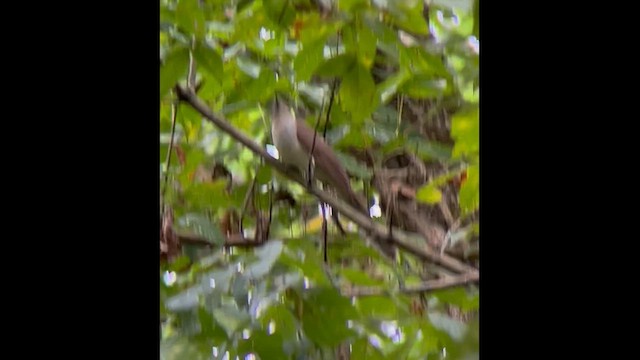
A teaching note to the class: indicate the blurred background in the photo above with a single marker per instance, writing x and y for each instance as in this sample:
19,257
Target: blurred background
393,87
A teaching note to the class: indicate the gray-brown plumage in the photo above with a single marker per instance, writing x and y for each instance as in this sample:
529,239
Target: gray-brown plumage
294,140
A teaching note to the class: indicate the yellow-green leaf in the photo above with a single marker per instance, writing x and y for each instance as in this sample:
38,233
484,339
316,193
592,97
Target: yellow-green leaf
470,190
429,194
465,129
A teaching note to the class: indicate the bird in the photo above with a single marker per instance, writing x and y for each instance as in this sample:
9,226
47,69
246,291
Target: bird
294,139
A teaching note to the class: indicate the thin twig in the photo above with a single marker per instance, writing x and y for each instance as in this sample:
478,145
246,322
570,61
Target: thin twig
247,197
401,239
426,286
313,144
324,232
174,115
270,209
333,94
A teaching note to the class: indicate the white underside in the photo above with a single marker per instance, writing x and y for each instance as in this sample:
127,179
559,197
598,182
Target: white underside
289,149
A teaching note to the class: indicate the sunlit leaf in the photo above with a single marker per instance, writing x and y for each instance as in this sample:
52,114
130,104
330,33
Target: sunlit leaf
470,190
429,194
465,129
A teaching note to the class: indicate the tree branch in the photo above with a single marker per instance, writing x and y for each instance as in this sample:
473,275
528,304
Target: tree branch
401,239
430,285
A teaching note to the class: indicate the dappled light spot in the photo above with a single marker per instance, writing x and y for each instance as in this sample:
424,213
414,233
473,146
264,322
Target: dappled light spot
170,278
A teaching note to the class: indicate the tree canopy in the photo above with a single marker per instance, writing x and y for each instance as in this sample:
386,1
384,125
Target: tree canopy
393,87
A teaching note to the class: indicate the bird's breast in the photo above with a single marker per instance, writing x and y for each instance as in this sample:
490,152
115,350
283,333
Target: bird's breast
289,149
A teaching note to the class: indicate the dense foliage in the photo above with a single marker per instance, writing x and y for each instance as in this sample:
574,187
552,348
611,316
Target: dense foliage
405,78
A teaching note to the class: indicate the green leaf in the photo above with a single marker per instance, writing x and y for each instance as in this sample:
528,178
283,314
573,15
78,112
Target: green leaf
337,66
267,255
476,19
362,349
379,307
203,227
419,61
305,258
326,306
180,347
360,39
190,17
407,14
424,87
230,318
459,297
470,191
209,60
429,194
279,319
279,12
389,87
357,277
454,328
262,88
190,120
465,130
358,94
210,330
264,174
348,5
207,195
262,344
308,59
174,67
